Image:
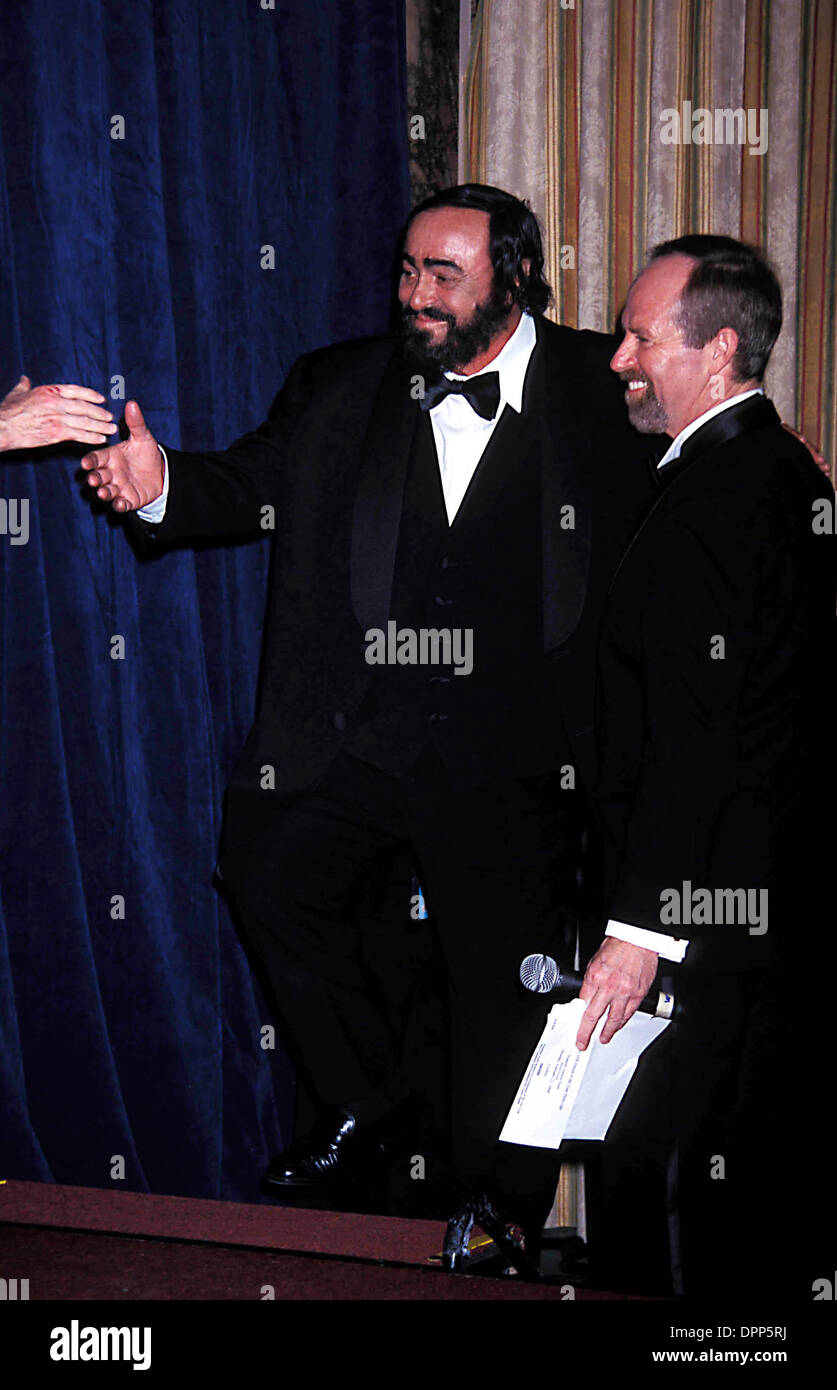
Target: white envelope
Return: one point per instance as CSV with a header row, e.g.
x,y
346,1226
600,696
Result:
x,y
567,1094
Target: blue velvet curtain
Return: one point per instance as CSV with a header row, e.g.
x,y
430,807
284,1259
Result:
x,y
243,210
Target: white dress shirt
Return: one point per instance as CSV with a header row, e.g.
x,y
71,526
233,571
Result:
x,y
460,433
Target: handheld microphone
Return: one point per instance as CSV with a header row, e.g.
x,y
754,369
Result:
x,y
542,975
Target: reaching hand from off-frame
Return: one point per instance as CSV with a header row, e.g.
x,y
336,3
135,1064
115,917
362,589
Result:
x,y
31,417
129,475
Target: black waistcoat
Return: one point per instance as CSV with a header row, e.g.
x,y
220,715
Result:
x,y
481,581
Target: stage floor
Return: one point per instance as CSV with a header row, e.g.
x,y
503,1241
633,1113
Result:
x,y
89,1243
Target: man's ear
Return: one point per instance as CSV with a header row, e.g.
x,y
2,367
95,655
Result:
x,y
526,267
724,348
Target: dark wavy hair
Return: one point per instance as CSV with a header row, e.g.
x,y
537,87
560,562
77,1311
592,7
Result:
x,y
732,286
513,237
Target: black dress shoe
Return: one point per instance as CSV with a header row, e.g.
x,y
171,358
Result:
x,y
338,1152
518,1249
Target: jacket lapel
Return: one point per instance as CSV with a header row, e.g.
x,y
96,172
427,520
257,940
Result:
x,y
380,495
566,485
754,413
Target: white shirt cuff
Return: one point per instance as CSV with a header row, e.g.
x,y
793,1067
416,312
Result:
x,y
669,947
156,510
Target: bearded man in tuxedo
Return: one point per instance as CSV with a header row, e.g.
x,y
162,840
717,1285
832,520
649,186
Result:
x,y
450,504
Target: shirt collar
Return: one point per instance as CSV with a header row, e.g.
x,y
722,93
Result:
x,y
511,362
673,451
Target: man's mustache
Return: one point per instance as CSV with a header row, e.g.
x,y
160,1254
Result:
x,y
430,313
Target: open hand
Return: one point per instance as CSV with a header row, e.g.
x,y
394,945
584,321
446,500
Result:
x,y
129,475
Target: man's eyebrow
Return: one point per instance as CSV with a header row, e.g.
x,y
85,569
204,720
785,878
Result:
x,y
434,261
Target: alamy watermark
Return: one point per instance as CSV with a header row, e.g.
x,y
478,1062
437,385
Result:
x,y
726,125
688,906
81,1343
12,1290
424,646
14,519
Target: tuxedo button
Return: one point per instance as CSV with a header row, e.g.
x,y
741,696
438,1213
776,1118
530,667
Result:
x,y
339,722
437,718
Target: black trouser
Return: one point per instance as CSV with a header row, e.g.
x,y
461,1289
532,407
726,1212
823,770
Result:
x,y
753,1170
497,864
727,1123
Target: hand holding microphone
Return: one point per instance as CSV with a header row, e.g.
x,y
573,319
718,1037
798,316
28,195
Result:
x,y
542,975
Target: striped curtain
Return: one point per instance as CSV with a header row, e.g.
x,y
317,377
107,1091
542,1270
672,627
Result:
x,y
593,111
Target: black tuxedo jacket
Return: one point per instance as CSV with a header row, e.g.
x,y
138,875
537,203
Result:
x,y
715,679
324,476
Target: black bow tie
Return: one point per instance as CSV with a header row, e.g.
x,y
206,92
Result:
x,y
481,392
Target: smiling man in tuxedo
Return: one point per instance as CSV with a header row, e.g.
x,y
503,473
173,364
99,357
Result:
x,y
472,475
716,660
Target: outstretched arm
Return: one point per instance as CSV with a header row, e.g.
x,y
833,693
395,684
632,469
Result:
x,y
33,416
237,491
218,493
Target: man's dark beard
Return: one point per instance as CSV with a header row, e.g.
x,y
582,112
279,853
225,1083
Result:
x,y
462,342
648,416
